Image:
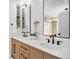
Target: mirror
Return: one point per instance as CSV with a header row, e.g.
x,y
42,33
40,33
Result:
x,y
56,18
23,20
26,18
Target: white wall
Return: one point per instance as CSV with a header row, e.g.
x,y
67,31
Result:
x,y
12,19
37,14
12,16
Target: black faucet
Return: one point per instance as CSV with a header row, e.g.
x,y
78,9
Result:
x,y
24,34
52,36
48,40
58,42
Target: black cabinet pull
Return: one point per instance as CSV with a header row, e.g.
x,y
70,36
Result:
x,y
23,48
23,56
58,42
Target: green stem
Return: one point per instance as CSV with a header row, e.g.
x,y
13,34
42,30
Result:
x,y
35,29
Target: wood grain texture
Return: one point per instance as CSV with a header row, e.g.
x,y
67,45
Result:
x,y
35,53
48,56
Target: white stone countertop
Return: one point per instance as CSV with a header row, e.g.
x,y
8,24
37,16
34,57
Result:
x,y
62,51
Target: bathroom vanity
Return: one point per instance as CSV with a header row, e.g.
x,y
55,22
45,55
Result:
x,y
30,48
53,19
21,50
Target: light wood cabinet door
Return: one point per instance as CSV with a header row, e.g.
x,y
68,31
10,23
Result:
x,y
24,47
24,51
20,50
35,54
48,56
23,55
15,49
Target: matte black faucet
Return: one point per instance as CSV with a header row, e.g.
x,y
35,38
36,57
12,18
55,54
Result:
x,y
52,36
24,34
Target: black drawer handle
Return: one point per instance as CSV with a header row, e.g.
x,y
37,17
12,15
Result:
x,y
23,56
23,48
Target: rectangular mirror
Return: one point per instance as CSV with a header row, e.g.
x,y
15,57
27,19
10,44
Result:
x,y
56,18
23,20
26,20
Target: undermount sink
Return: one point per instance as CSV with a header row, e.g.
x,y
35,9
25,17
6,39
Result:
x,y
50,46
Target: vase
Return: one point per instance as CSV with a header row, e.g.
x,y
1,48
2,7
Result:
x,y
35,32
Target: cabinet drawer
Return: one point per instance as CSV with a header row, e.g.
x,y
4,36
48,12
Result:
x,y
23,55
15,48
24,48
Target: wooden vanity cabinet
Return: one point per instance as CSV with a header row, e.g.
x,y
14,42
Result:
x,y
20,50
24,51
48,56
15,49
23,55
35,53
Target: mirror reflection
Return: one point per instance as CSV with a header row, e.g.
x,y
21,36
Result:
x,y
56,18
23,19
26,18
18,17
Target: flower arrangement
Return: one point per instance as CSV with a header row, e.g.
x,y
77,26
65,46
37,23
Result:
x,y
36,24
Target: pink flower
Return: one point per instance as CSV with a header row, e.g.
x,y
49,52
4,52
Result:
x,y
36,23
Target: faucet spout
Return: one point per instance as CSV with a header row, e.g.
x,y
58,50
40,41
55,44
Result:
x,y
52,36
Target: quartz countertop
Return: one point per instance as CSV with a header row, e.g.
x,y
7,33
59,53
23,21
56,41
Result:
x,y
62,51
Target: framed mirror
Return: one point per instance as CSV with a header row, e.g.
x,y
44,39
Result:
x,y
26,18
23,20
56,18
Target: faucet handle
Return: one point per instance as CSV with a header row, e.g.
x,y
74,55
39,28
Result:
x,y
58,42
48,40
50,36
23,32
53,35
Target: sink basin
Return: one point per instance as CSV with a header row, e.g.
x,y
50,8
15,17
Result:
x,y
51,46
